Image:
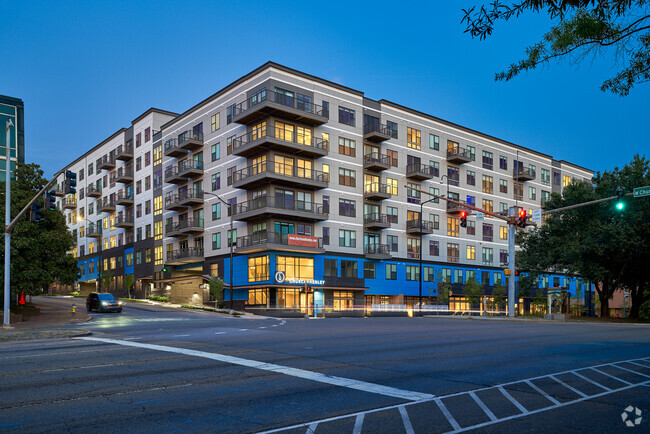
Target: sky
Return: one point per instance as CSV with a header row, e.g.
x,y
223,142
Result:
x,y
85,69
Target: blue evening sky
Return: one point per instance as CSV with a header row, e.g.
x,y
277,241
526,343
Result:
x,y
87,68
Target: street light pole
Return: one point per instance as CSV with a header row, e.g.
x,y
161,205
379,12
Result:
x,y
421,251
230,241
7,286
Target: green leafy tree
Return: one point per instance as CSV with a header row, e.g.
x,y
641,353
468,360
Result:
x,y
474,291
216,288
129,280
440,290
39,251
107,279
498,296
580,28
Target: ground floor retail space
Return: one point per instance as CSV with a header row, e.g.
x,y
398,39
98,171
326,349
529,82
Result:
x,y
305,299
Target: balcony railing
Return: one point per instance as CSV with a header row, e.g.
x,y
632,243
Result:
x,y
417,224
377,249
377,158
93,191
376,219
268,96
69,202
285,170
458,155
377,190
189,165
186,225
304,142
124,152
418,170
269,237
124,196
124,220
191,252
190,139
105,204
105,162
125,173
376,132
94,231
523,174
317,209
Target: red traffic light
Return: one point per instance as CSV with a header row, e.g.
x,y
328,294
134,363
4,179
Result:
x,y
522,213
463,214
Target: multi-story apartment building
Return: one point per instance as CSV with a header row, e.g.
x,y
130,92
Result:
x,y
14,109
325,187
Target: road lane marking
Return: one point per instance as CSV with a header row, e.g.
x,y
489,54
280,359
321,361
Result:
x,y
513,400
591,381
358,423
219,333
483,406
312,428
405,418
447,414
610,376
180,336
262,327
552,377
541,392
243,330
363,386
634,372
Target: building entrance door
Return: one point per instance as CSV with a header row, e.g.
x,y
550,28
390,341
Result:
x,y
307,303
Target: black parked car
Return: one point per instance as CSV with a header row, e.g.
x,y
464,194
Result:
x,y
103,303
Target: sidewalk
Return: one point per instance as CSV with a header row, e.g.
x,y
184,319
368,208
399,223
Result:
x,y
48,325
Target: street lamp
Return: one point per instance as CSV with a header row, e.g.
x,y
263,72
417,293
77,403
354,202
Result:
x,y
447,190
230,240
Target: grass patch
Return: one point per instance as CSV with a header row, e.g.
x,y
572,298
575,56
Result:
x,y
160,298
133,299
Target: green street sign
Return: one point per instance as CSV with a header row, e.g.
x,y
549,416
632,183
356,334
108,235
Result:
x,y
642,191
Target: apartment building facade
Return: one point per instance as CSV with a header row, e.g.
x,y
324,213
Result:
x,y
325,188
12,109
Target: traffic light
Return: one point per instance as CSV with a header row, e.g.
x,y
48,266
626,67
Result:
x,y
463,219
50,200
521,221
620,204
36,212
70,182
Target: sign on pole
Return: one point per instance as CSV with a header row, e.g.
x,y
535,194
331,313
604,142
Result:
x,y
642,191
537,215
480,216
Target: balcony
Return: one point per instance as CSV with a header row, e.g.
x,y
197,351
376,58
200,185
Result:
x,y
417,227
376,221
377,251
376,133
94,231
420,172
187,226
125,174
124,152
267,206
267,240
180,173
191,197
93,191
458,155
106,162
376,191
279,173
267,102
173,203
454,208
263,139
190,140
59,190
124,221
173,150
376,162
124,197
523,174
185,256
69,202
105,205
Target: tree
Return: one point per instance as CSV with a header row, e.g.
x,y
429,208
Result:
x,y
597,242
474,291
498,296
216,288
129,280
580,28
440,289
39,251
107,279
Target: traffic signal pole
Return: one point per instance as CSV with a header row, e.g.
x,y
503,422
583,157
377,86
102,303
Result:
x,y
512,229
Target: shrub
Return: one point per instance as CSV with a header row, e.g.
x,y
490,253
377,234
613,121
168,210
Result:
x,y
160,298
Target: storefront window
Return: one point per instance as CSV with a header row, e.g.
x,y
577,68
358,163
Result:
x,y
258,268
257,297
343,300
296,267
288,297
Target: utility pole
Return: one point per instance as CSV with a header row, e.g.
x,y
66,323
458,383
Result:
x,y
512,229
7,287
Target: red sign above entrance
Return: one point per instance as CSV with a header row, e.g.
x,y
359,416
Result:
x,y
303,241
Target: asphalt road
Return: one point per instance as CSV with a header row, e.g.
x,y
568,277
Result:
x,y
155,369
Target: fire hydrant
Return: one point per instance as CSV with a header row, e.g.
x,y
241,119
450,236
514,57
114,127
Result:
x,y
74,307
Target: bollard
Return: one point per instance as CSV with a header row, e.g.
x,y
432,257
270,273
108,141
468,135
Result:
x,y
74,307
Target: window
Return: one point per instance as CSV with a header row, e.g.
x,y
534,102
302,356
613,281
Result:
x,y
391,213
392,157
546,177
566,180
369,270
331,268
231,170
90,169
458,276
487,205
488,256
434,168
157,155
453,252
435,221
347,208
452,226
216,241
138,140
545,196
471,253
428,274
258,268
347,147
471,177
391,271
347,238
216,181
229,112
296,267
157,205
503,162
487,184
503,232
229,141
392,241
346,116
518,188
503,185
215,151
412,272
413,247
349,268
326,236
392,128
434,142
347,177
138,163
413,193
532,193
413,138
215,122
147,255
147,159
434,248
556,178
488,232
487,160
232,237
503,256
391,186
216,211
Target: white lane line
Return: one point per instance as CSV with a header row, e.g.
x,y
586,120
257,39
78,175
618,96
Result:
x,y
591,381
243,330
311,429
83,367
579,393
405,418
447,414
358,423
363,386
611,376
219,333
639,364
513,400
180,336
552,407
262,327
483,406
274,325
541,392
131,339
629,370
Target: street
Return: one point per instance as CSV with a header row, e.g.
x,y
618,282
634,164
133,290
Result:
x,y
151,368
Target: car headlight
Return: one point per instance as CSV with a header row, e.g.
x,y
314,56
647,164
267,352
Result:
x,y
103,303
120,303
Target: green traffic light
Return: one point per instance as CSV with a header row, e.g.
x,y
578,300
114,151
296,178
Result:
x,y
620,206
